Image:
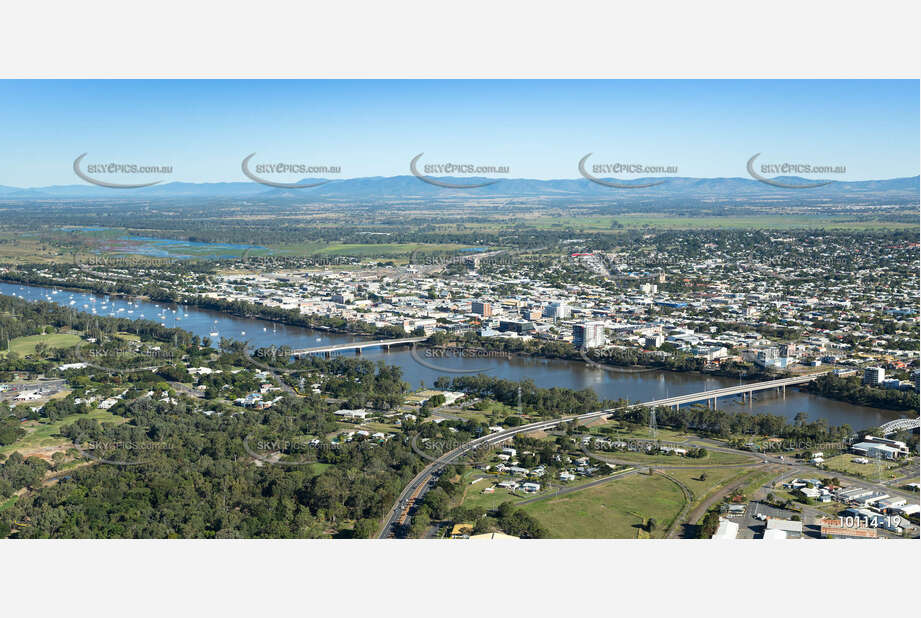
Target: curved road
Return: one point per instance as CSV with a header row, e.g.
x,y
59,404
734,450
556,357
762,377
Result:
x,y
418,485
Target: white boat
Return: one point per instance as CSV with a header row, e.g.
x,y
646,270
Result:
x,y
213,334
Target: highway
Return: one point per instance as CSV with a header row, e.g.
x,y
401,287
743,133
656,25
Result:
x,y
416,488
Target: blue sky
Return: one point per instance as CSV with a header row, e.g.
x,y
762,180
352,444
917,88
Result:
x,y
539,129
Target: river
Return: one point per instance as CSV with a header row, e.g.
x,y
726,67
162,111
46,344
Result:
x,y
546,373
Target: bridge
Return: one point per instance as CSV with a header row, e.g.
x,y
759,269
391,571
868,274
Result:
x,y
417,487
745,390
900,425
358,346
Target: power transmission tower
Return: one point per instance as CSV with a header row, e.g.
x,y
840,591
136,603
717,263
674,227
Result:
x,y
519,400
653,427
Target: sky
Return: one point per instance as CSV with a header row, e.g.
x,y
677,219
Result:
x,y
539,129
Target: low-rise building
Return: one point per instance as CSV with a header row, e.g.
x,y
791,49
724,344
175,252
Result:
x,y
727,530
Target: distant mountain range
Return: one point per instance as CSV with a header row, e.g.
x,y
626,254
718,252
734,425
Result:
x,y
410,187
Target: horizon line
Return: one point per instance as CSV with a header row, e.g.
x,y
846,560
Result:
x,y
332,180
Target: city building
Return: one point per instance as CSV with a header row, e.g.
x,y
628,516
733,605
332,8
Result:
x,y
873,449
558,310
874,376
481,308
896,444
783,529
531,313
520,327
588,335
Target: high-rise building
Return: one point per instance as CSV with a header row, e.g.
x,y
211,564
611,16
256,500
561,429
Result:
x,y
874,376
588,335
481,308
557,310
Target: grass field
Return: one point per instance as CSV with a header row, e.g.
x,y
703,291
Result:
x,y
19,248
842,463
43,435
762,477
624,431
614,510
26,345
467,415
476,498
375,426
791,221
716,479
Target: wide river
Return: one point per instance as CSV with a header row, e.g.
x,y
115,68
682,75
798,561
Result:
x,y
642,386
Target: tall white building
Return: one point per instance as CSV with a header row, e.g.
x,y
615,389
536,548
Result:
x,y
874,376
588,335
558,310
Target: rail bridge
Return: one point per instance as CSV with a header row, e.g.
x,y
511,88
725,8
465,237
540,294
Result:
x,y
900,425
